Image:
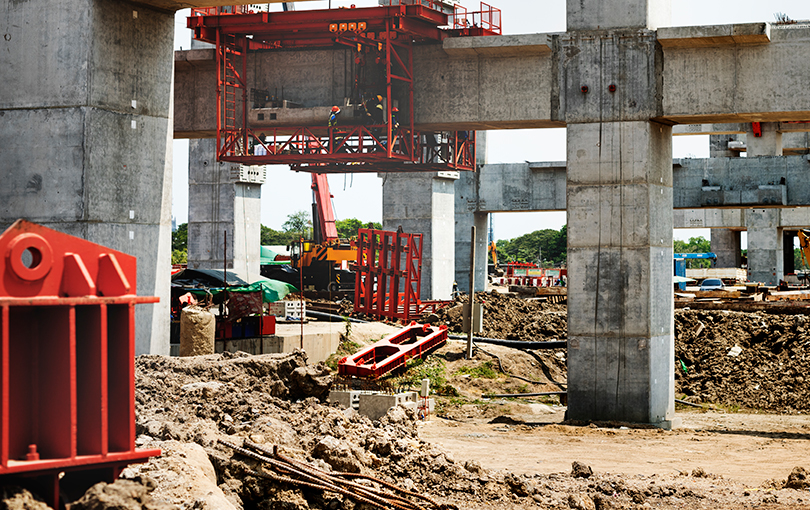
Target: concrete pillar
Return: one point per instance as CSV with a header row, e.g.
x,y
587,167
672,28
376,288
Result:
x,y
466,205
423,203
86,131
765,262
718,146
769,144
725,243
619,189
217,203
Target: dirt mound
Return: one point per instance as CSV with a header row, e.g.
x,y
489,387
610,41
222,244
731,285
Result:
x,y
509,317
749,360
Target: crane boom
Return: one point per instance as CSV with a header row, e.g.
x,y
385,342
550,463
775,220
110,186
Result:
x,y
323,214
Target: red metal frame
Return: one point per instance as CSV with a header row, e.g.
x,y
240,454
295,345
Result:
x,y
67,350
393,351
386,31
486,21
388,275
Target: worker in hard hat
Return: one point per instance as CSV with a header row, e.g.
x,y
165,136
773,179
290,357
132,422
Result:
x,y
395,118
333,117
333,122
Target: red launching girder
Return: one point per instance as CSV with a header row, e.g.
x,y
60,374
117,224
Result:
x,y
324,214
384,35
67,350
389,270
393,351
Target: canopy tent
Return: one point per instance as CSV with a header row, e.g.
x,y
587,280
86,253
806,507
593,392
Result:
x,y
203,281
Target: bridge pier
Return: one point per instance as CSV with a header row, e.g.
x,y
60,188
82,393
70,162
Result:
x,y
726,244
219,203
86,110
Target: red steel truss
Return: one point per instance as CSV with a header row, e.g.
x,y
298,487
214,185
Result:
x,y
393,351
388,33
67,350
388,275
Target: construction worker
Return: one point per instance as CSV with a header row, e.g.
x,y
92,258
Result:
x,y
333,117
395,118
333,122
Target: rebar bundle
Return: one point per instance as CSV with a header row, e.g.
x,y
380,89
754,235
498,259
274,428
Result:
x,y
379,494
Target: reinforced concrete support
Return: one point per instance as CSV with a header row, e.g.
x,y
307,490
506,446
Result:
x,y
424,202
218,203
765,263
467,214
725,243
620,319
86,111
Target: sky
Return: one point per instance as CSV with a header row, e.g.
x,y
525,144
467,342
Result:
x,y
360,195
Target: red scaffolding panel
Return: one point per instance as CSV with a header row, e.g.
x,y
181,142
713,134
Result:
x,y
388,275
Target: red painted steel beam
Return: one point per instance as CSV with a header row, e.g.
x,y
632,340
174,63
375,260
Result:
x,y
393,351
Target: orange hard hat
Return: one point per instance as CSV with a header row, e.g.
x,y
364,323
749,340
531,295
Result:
x,y
395,109
335,109
379,98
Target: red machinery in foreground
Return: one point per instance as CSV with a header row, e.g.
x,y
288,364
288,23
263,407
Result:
x,y
389,272
256,128
393,351
67,350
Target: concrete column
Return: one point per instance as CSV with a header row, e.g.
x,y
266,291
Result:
x,y
765,262
769,144
219,203
725,243
423,202
619,189
86,131
466,207
620,319
718,146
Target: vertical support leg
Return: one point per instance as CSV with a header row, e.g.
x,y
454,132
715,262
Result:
x,y
620,312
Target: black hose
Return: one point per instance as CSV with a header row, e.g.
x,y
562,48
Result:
x,y
324,315
515,344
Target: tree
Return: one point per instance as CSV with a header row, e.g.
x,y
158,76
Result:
x,y
695,245
550,245
348,228
277,237
180,244
180,237
298,223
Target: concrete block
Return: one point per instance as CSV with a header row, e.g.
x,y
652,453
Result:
x,y
628,60
503,46
714,35
600,14
375,406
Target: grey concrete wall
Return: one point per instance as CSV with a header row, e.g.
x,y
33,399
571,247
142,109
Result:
x,y
765,264
713,74
726,244
219,204
711,82
86,109
424,203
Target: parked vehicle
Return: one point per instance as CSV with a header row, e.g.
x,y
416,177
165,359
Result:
x,y
712,284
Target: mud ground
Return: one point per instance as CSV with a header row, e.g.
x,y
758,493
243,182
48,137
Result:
x,y
745,448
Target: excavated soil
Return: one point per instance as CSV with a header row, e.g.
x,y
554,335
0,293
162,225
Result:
x,y
187,406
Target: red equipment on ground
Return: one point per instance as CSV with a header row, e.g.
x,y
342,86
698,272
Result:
x,y
389,272
381,39
393,351
67,351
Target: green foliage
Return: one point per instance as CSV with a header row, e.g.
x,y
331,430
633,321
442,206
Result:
x,y
180,238
271,237
348,228
180,256
695,245
798,262
551,245
433,368
345,348
298,223
482,371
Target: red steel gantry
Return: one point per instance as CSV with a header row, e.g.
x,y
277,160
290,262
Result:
x,y
384,36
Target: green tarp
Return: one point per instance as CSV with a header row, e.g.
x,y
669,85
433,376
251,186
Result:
x,y
268,258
